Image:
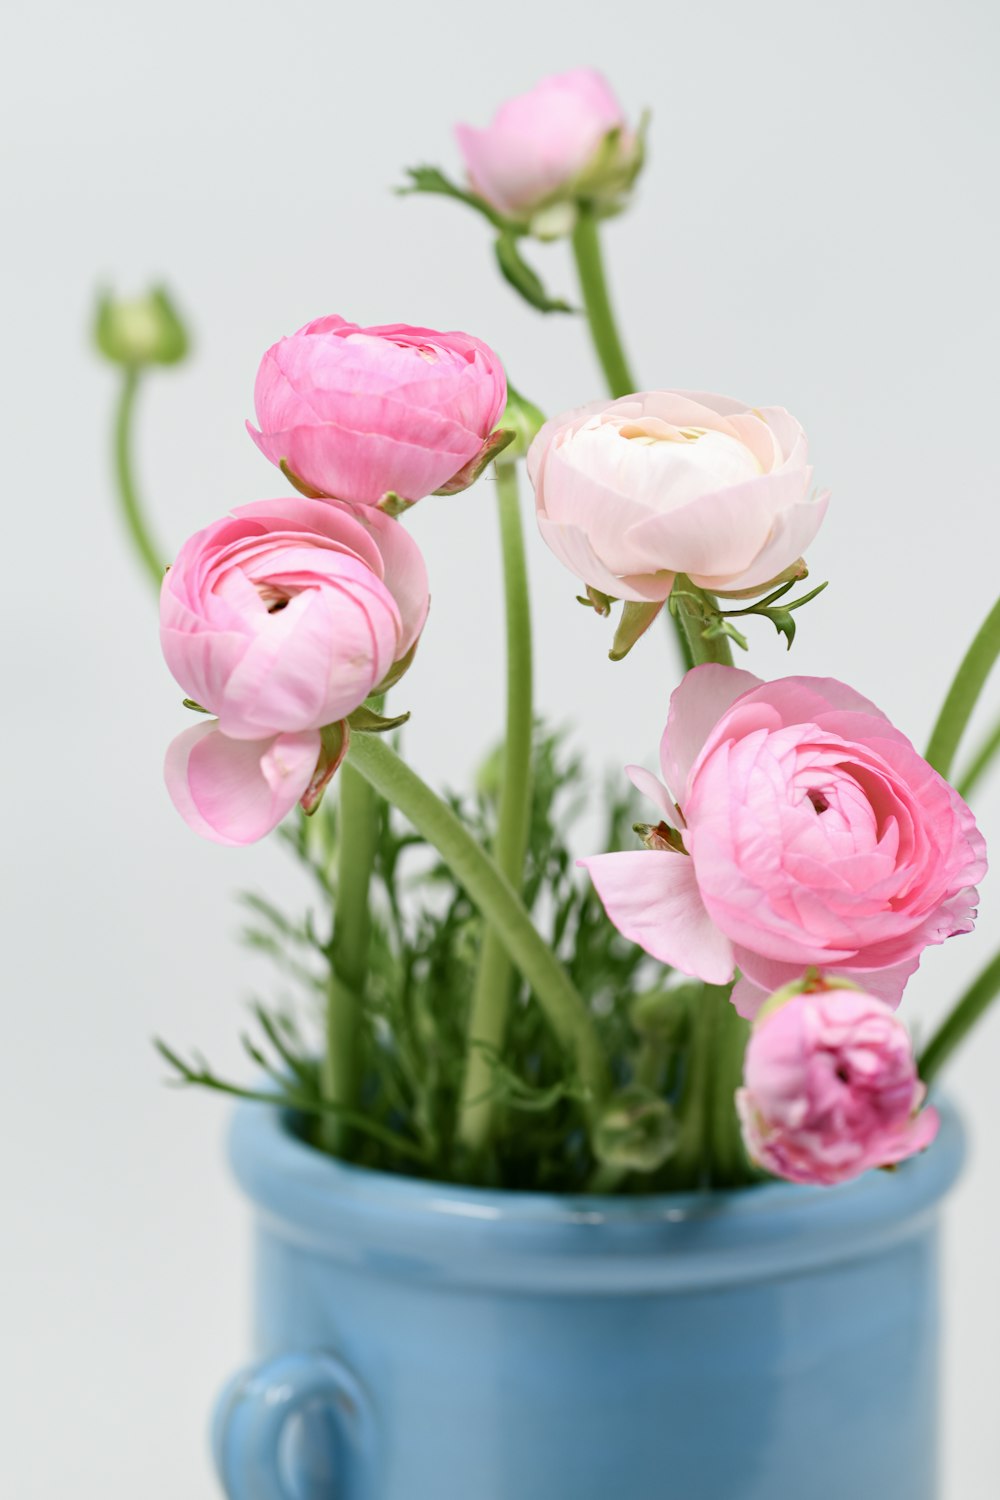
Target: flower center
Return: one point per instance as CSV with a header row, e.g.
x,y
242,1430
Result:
x,y
819,802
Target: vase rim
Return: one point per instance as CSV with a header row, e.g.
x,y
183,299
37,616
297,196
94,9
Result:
x,y
629,1242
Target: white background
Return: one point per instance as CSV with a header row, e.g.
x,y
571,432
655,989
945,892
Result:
x,y
817,228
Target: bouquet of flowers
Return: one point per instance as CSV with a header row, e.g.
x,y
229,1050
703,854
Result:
x,y
713,994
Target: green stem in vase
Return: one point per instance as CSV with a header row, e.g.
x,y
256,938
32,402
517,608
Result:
x,y
349,951
964,693
597,302
492,992
152,558
957,1025
499,903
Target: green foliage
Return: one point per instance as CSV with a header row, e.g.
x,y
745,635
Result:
x,y
426,938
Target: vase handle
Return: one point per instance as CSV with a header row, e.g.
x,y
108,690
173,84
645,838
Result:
x,y
253,1412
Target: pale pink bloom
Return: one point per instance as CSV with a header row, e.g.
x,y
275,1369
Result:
x,y
539,143
280,619
831,1089
358,413
813,834
631,492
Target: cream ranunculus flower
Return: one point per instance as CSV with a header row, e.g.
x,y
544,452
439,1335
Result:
x,y
630,493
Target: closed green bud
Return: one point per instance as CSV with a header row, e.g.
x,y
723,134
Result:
x,y
637,1130
138,331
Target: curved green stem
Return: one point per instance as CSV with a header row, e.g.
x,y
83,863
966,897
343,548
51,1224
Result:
x,y
153,559
597,301
349,951
964,692
492,992
980,763
956,1026
493,894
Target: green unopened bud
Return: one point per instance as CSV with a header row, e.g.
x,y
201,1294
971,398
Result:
x,y
140,331
637,1130
523,418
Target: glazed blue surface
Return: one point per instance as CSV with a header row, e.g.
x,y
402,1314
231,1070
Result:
x,y
423,1342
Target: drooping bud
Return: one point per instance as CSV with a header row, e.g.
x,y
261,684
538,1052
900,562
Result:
x,y
140,331
637,1130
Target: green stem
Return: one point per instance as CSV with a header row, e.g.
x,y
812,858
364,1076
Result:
x,y
980,763
493,894
492,992
964,692
729,1165
716,648
349,950
153,559
956,1026
597,302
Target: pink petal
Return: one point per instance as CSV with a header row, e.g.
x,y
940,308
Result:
x,y
652,898
236,791
574,551
652,787
696,706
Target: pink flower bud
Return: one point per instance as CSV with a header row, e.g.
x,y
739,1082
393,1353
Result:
x,y
539,145
831,1088
631,492
358,413
280,619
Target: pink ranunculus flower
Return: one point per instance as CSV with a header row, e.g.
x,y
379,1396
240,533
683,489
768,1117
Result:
x,y
357,413
800,829
568,135
831,1088
629,493
281,619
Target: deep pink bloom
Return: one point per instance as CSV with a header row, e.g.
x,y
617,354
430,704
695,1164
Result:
x,y
631,492
815,835
280,619
357,413
539,143
831,1088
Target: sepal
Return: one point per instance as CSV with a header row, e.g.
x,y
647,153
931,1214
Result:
x,y
303,486
433,180
634,621
397,670
494,445
365,720
394,505
522,277
335,740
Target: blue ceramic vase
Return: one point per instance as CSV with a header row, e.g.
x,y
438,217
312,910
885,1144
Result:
x,y
424,1342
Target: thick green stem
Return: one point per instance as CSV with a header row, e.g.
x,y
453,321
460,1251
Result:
x,y
597,302
154,560
979,764
492,991
349,950
964,693
715,648
956,1026
496,899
